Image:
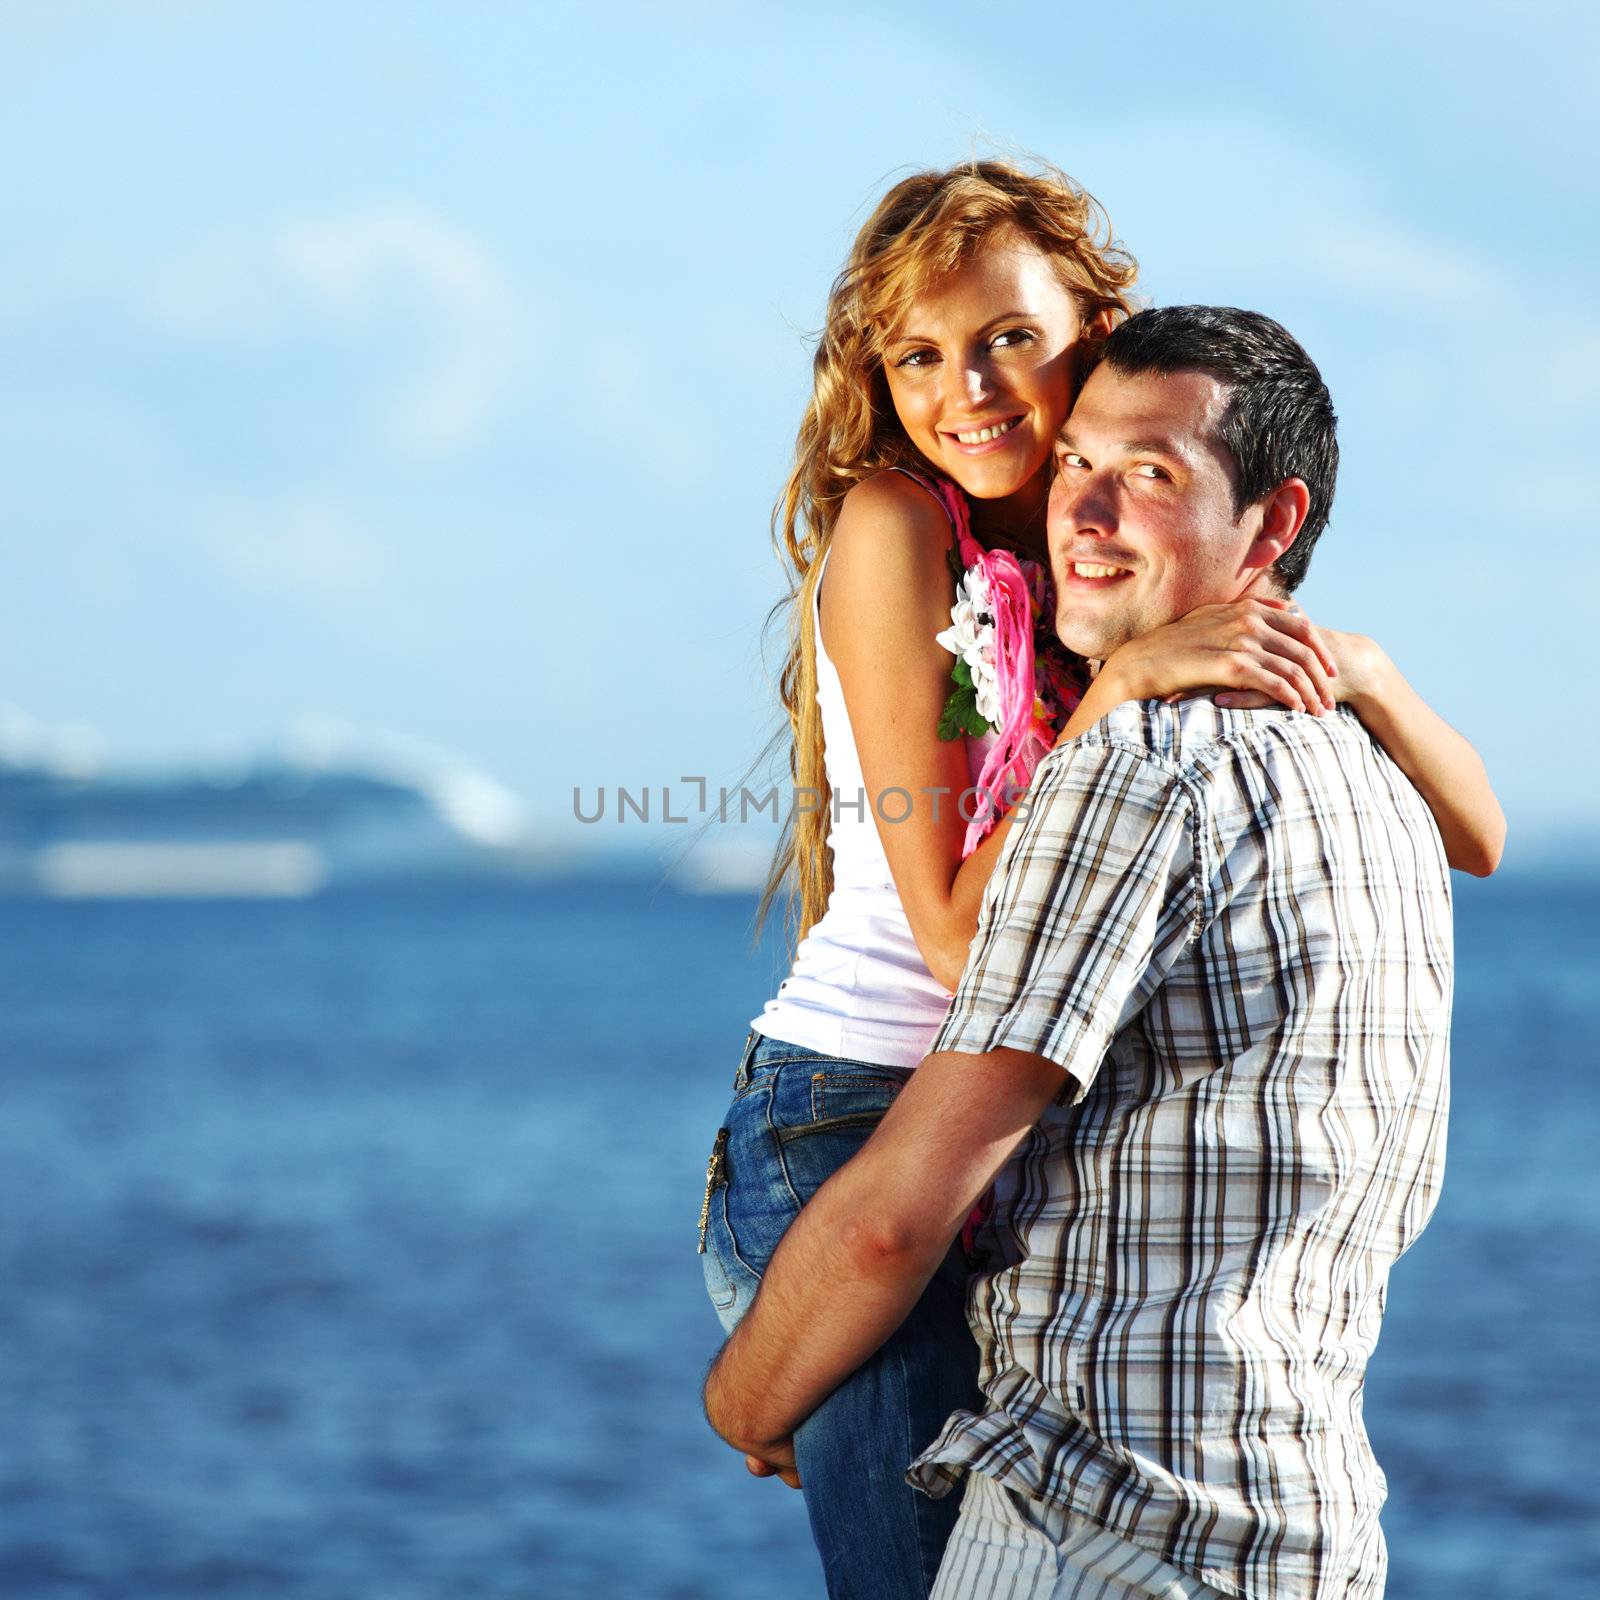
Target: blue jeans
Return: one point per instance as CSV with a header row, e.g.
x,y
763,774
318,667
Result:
x,y
796,1118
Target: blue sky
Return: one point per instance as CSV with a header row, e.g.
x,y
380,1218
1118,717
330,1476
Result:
x,y
428,371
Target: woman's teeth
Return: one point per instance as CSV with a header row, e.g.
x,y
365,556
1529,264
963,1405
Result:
x,y
984,435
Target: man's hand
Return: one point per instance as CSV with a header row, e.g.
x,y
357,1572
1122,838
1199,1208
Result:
x,y
866,1244
765,1455
777,1463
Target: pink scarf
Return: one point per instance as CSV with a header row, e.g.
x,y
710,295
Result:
x,y
1025,733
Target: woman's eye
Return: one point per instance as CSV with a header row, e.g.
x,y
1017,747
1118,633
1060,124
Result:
x,y
917,358
1011,336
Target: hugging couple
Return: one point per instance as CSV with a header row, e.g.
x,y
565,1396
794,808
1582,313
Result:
x,y
1081,1305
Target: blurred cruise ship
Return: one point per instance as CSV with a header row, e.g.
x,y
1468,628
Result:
x,y
316,821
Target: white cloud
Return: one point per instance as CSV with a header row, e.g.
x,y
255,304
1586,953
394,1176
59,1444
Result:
x,y
478,319
630,398
1519,605
70,749
309,543
1564,361
1381,260
401,268
225,289
1502,338
615,373
1235,204
1557,494
96,490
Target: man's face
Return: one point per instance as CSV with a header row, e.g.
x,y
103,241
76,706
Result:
x,y
1141,523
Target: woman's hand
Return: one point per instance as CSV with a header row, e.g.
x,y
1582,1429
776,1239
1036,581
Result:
x,y
1360,678
1266,651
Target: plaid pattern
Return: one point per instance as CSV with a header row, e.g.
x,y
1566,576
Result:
x,y
1005,1548
1233,930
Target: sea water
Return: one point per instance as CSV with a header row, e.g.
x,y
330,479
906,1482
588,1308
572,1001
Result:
x,y
348,1253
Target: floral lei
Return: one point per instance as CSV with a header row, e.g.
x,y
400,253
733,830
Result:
x,y
1012,677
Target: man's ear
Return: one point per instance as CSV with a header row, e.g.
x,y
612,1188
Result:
x,y
1283,515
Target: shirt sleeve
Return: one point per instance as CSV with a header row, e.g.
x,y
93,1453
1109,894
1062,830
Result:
x,y
1094,900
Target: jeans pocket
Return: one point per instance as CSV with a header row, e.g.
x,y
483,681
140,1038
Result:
x,y
713,1217
721,1288
731,1281
850,1094
845,1105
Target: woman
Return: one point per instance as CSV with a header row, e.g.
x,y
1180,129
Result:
x,y
947,365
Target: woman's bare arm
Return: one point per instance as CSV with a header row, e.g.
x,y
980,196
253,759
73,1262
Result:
x,y
885,595
1441,763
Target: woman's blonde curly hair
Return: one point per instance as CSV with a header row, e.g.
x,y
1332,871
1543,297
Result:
x,y
924,228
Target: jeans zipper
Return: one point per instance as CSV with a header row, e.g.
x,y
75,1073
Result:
x,y
713,1172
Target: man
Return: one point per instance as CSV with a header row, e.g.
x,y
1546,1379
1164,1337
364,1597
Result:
x,y
1203,1031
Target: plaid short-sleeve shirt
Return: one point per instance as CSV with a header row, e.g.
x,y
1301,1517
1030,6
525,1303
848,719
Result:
x,y
1232,929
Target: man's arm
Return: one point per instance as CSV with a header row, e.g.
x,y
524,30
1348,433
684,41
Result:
x,y
1098,898
858,1256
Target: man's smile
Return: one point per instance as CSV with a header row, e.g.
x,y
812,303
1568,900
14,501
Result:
x,y
1094,571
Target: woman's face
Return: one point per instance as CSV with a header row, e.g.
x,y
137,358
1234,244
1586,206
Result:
x,y
981,371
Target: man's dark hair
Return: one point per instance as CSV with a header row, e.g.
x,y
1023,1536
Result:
x,y
1279,422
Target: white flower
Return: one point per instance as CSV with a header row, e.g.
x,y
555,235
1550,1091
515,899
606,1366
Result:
x,y
981,656
986,690
971,636
965,636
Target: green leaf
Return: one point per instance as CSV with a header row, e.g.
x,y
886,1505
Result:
x,y
962,673
960,714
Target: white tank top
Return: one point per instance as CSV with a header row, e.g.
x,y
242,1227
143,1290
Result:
x,y
859,987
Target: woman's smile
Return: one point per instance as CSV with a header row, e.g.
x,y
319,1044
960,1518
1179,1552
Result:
x,y
978,437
